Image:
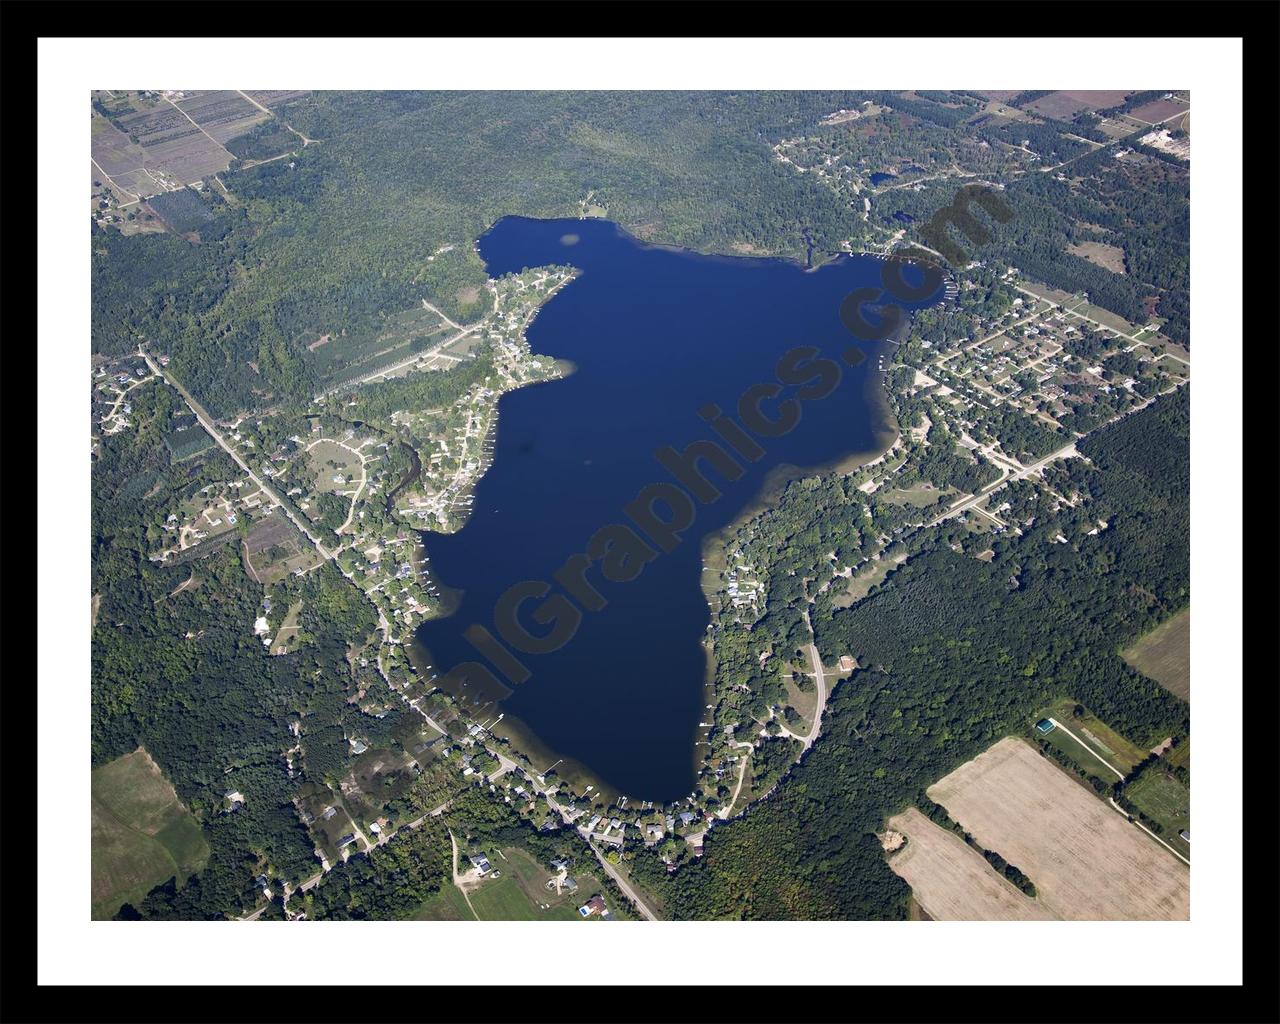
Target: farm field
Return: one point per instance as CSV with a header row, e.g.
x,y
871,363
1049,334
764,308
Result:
x,y
1164,654
222,114
1157,111
1164,799
1066,103
1087,862
950,880
141,834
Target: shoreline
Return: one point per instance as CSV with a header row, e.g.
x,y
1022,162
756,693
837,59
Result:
x,y
522,741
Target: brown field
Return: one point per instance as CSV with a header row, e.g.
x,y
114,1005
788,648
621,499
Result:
x,y
1066,103
1087,862
951,881
1157,111
1164,654
1001,95
276,548
1109,257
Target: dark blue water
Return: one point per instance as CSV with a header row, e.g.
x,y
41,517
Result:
x,y
656,334
880,177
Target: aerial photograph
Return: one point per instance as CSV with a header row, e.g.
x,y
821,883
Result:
x,y
638,505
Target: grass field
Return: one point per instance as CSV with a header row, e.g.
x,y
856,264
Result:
x,y
518,894
950,880
920,495
1087,862
1163,798
447,905
329,459
1164,654
141,834
860,585
1121,752
1078,753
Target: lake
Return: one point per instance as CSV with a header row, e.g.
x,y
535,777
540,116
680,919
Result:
x,y
656,335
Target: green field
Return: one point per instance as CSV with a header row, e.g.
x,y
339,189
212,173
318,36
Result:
x,y
1078,753
1164,654
329,459
1163,798
447,905
141,835
1122,753
519,894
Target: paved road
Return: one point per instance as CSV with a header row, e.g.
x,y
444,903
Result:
x,y
206,421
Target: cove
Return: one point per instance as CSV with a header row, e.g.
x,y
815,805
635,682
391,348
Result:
x,y
656,335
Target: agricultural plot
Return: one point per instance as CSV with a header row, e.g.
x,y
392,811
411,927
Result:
x,y
276,548
1157,111
222,114
271,99
1164,654
1065,104
950,880
141,835
112,149
172,143
1086,860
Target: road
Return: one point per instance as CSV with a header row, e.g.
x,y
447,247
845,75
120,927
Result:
x,y
726,810
1110,800
622,882
1065,452
206,421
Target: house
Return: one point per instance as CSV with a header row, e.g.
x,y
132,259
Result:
x,y
1185,835
595,905
481,863
687,817
329,812
1045,725
346,840
568,885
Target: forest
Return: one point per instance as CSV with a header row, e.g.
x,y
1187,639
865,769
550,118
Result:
x,y
338,236
957,653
